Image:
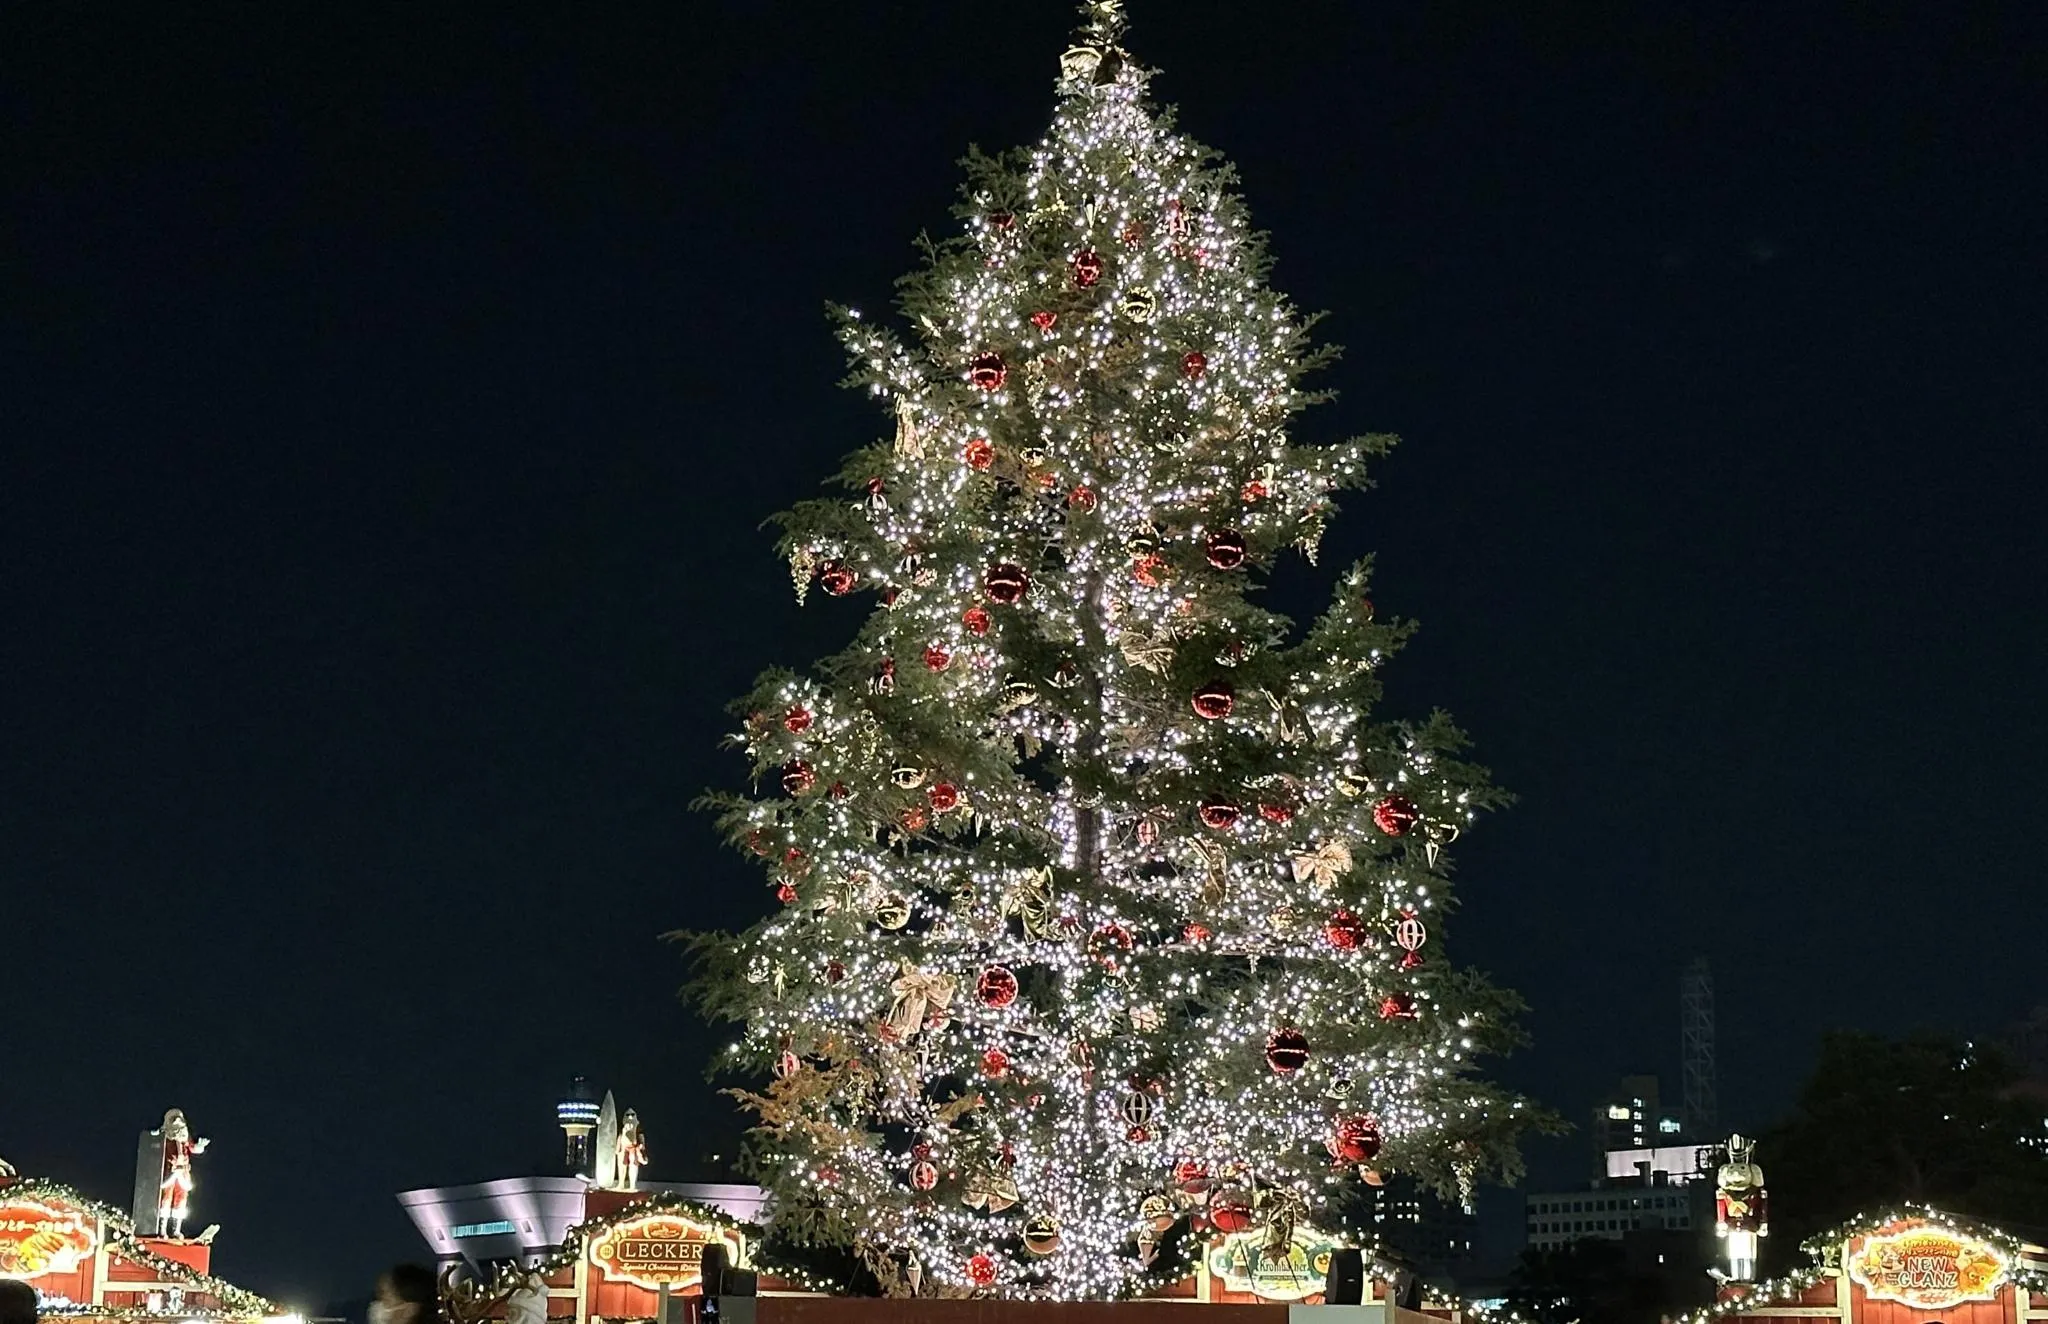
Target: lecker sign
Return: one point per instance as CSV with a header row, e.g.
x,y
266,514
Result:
x,y
1926,1268
36,1239
661,1249
1295,1273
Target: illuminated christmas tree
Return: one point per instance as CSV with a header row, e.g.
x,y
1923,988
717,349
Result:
x,y
1109,913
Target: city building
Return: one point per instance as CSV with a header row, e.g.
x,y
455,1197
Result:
x,y
1612,1211
1417,1229
1633,1116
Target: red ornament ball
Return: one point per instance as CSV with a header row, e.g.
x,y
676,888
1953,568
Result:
x,y
1225,549
1139,1135
1230,1212
1395,814
987,371
1276,811
995,1064
936,657
976,619
1081,498
1134,233
1218,813
1194,933
924,1174
757,842
1286,1051
835,972
787,1065
979,454
981,1270
1344,931
835,578
794,861
797,720
1253,491
997,986
798,777
1149,571
1002,220
1214,700
1087,267
914,819
944,797
1006,584
1398,1007
1193,364
785,894
1355,1140
1109,940
1043,320
1190,1176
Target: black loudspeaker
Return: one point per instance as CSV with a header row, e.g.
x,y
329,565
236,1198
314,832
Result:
x,y
1407,1291
714,1270
1346,1284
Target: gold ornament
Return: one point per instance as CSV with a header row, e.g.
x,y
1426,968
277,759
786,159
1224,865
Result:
x,y
1436,837
892,911
1156,1213
1323,865
1147,1018
1041,1234
1030,900
993,1191
909,442
908,778
1153,653
803,563
924,999
1140,305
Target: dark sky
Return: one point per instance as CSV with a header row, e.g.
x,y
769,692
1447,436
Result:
x,y
390,396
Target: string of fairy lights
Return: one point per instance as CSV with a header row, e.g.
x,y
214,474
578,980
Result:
x,y
1108,913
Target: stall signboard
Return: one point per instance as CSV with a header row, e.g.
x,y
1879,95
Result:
x,y
1244,1262
38,1239
1927,1268
661,1250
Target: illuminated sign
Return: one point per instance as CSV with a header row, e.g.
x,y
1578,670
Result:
x,y
1293,1273
36,1239
662,1249
461,1230
1925,1267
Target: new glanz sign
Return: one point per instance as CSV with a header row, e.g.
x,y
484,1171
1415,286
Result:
x,y
661,1250
1925,1267
38,1239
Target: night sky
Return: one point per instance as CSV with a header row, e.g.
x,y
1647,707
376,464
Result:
x,y
391,396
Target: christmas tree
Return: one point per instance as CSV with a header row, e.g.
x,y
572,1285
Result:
x,y
1109,914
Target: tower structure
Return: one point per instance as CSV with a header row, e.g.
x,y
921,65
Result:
x,y
1696,1048
577,1114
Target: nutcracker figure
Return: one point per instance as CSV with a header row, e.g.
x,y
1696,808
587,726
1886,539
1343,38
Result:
x,y
632,1151
1741,1209
174,1192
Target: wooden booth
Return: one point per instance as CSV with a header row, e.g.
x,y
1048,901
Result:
x,y
87,1261
1922,1269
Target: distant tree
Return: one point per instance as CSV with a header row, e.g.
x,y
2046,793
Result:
x,y
1926,1120
1597,1281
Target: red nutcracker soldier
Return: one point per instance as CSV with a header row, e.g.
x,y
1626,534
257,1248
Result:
x,y
174,1194
1741,1209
